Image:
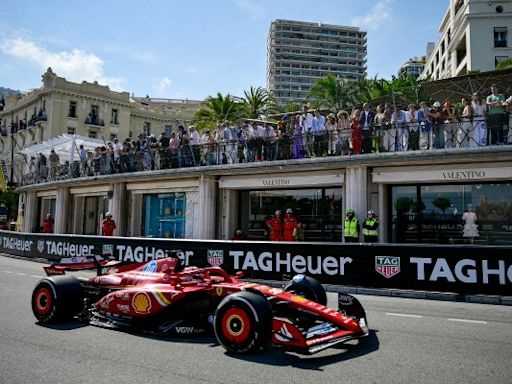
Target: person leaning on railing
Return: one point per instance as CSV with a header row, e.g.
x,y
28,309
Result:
x,y
508,109
344,134
466,127
496,116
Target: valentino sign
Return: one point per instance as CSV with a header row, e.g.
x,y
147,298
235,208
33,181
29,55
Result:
x,y
464,175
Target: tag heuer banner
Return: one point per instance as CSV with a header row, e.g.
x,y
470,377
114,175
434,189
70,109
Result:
x,y
464,269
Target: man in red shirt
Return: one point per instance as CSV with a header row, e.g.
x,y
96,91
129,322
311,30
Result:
x,y
108,225
289,226
275,227
48,224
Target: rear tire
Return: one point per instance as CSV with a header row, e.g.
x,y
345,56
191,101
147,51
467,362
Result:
x,y
308,288
243,323
57,299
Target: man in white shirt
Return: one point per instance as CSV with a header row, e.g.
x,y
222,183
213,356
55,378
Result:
x,y
306,121
194,140
318,131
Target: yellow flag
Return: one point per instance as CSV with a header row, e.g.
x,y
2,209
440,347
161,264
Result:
x,y
3,168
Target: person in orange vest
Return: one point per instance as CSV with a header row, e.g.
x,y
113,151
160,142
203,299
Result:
x,y
275,227
108,225
290,224
48,224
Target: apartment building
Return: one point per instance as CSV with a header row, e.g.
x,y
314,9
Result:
x,y
300,52
473,37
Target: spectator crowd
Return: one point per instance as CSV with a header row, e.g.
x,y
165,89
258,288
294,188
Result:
x,y
477,122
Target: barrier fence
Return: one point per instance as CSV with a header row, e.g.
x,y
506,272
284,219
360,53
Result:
x,y
463,269
282,146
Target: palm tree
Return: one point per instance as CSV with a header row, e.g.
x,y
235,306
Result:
x,y
334,93
256,102
216,110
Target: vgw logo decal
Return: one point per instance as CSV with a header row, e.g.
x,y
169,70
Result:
x,y
387,266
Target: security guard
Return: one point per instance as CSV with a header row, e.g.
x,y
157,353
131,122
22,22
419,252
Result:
x,y
351,227
370,228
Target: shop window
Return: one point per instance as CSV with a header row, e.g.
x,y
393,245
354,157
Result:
x,y
435,213
164,215
71,131
318,210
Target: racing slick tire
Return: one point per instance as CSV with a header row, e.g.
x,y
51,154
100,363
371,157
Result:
x,y
243,323
308,288
57,299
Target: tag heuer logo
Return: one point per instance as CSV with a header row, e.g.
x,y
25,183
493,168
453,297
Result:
x,y
387,266
40,246
215,257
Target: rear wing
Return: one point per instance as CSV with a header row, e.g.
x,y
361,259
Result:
x,y
80,263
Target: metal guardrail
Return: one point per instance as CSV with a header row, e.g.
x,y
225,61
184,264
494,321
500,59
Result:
x,y
458,135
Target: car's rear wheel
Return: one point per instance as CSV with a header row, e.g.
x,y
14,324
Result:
x,y
308,288
243,323
57,299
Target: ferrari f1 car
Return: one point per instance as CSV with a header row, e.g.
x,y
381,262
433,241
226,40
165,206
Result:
x,y
162,297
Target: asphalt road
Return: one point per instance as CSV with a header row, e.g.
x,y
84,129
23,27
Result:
x,y
411,341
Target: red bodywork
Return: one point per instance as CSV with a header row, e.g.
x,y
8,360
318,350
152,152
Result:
x,y
146,289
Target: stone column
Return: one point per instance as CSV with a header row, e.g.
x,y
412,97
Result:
x,y
117,207
62,211
135,216
206,211
29,211
229,210
383,214
356,191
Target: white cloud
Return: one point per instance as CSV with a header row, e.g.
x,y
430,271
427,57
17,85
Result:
x,y
255,10
161,85
380,13
75,65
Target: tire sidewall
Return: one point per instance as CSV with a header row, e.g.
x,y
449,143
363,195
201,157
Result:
x,y
250,311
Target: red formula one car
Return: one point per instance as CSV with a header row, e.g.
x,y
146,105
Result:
x,y
162,297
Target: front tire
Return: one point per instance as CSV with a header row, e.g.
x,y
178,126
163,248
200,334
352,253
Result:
x,y
57,299
243,323
308,288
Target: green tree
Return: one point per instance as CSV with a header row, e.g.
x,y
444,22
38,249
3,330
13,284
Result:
x,y
334,93
255,103
215,110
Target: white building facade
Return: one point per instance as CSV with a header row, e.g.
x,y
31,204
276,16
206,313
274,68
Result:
x,y
474,36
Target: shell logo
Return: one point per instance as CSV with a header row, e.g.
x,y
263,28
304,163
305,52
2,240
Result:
x,y
141,302
298,299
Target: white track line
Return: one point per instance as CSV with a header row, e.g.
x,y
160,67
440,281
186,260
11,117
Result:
x,y
404,315
468,321
7,272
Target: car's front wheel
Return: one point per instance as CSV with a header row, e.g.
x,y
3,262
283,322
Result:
x,y
243,323
57,299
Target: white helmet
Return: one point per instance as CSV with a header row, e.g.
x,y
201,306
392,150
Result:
x,y
108,214
289,210
278,212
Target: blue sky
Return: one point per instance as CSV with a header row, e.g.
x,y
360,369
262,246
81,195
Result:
x,y
190,49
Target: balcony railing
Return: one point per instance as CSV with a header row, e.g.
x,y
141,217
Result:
x,y
457,136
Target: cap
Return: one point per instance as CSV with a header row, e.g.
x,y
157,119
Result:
x,y
350,210
437,104
289,210
48,215
278,212
108,214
